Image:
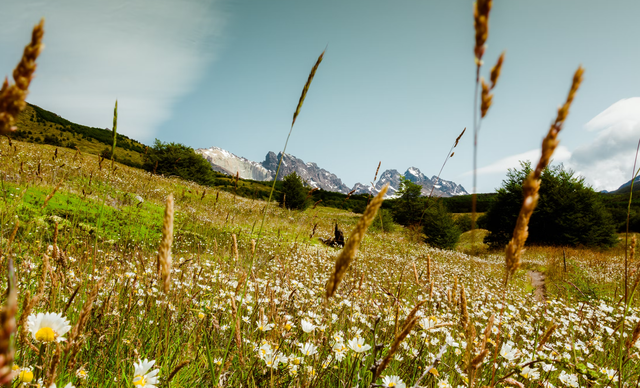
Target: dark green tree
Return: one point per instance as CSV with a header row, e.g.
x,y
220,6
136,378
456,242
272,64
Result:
x,y
178,159
294,195
568,213
440,227
408,208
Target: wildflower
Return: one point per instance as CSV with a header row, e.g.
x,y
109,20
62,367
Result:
x,y
82,373
144,378
393,381
443,384
530,373
340,350
288,326
264,326
217,361
507,351
272,360
25,375
201,315
611,374
48,327
308,349
568,379
357,345
307,327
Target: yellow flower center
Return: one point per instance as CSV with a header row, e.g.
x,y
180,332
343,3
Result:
x,y
45,334
139,380
392,384
25,376
287,327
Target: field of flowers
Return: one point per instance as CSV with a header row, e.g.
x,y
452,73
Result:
x,y
249,309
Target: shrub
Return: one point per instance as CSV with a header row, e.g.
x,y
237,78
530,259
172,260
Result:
x,y
408,208
178,159
440,227
294,195
568,213
384,221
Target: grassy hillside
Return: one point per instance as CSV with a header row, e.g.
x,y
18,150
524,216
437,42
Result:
x,y
246,305
40,126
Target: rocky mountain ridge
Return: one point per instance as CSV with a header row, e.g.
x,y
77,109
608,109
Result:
x,y
228,163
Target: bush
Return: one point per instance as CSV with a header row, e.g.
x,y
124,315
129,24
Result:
x,y
463,222
568,213
178,159
408,208
383,221
294,195
440,227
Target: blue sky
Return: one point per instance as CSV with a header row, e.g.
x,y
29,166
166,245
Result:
x,y
396,84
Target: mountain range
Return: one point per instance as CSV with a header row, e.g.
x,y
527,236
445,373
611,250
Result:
x,y
225,162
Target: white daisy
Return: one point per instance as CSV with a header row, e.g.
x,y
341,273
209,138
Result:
x,y
48,327
144,378
393,381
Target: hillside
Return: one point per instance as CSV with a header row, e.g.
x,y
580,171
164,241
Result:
x,y
37,125
239,291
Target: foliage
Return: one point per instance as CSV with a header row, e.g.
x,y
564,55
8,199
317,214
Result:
x,y
568,213
462,203
383,222
463,221
294,195
408,208
178,159
440,228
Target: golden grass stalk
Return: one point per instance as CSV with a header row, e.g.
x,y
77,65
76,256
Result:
x,y
115,133
496,69
12,97
547,334
353,243
464,313
407,326
177,369
7,328
306,87
481,10
531,185
84,314
164,250
485,98
235,246
52,194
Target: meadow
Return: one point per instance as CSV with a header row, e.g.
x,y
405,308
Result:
x,y
121,277
89,254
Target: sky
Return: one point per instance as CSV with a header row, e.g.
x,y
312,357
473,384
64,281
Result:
x,y
396,84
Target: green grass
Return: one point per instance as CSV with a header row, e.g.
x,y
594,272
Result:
x,y
105,233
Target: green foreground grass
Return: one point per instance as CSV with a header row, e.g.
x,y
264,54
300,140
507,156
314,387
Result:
x,y
254,313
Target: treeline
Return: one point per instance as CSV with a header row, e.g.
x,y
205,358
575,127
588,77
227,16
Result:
x,y
105,136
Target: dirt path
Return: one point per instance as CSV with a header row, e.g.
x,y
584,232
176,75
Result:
x,y
537,280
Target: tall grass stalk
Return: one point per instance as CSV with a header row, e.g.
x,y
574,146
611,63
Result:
x,y
275,179
115,133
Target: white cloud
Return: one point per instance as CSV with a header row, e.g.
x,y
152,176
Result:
x,y
607,161
145,53
562,154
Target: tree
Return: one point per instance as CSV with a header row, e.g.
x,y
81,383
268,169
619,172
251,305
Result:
x,y
294,194
429,214
568,213
178,159
408,208
440,227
